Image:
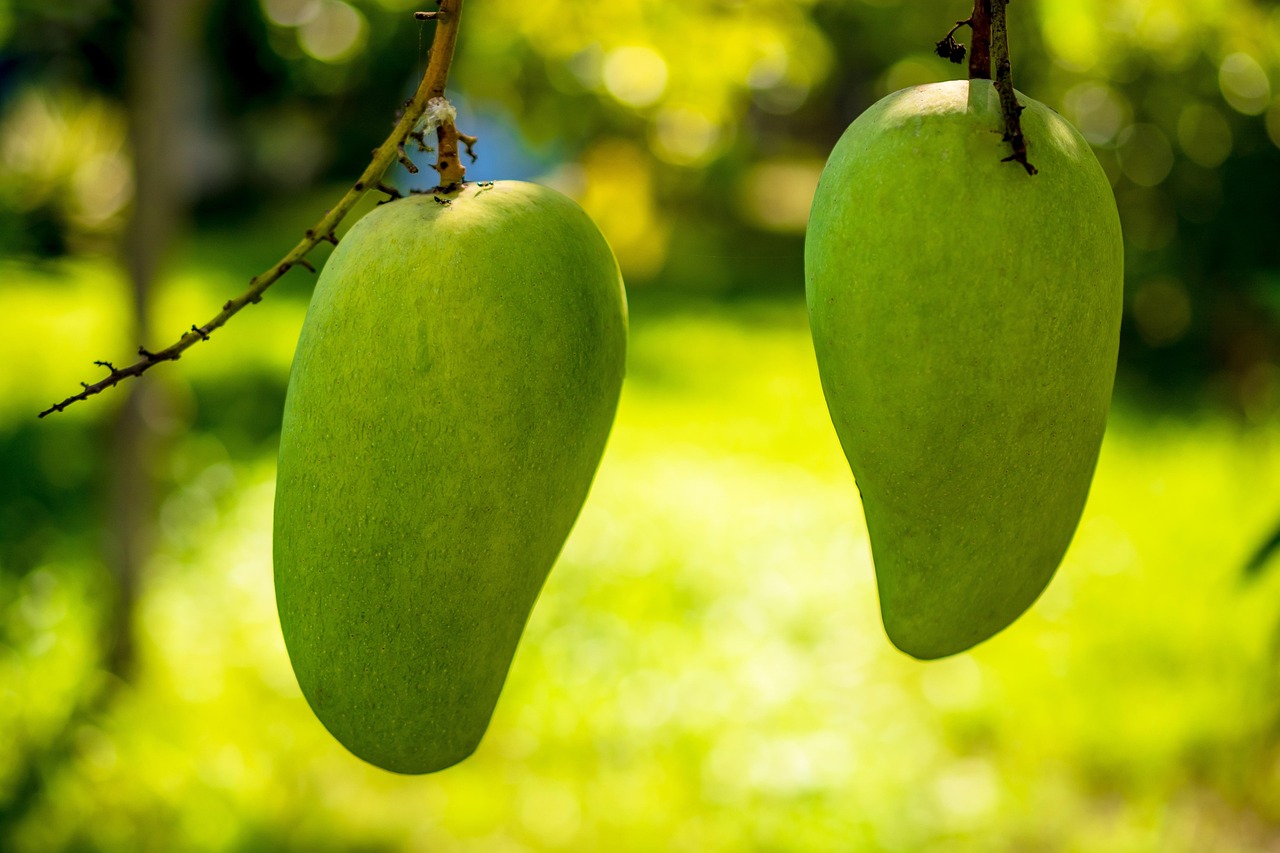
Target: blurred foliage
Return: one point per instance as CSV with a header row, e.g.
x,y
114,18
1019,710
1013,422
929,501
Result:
x,y
693,130
705,670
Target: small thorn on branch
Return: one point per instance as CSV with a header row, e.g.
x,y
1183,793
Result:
x,y
469,143
330,238
306,264
1019,156
204,336
390,191
409,165
147,354
108,365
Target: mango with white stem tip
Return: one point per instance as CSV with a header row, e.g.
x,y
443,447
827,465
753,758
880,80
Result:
x,y
455,381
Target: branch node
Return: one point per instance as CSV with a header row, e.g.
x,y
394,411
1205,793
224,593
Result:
x,y
204,336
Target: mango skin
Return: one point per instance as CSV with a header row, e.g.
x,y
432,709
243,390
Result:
x,y
454,384
965,318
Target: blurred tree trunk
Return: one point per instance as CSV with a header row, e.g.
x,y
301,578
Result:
x,y
161,54
161,57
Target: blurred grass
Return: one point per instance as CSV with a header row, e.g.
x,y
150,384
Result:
x,y
705,670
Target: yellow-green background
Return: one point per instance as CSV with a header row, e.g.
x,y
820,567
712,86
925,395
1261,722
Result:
x,y
705,670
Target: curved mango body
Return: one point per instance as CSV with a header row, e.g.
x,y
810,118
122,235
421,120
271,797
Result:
x,y
453,387
965,317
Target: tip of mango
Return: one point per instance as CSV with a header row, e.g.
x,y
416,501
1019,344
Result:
x,y
925,645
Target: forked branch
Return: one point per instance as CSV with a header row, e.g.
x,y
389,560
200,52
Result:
x,y
991,39
428,103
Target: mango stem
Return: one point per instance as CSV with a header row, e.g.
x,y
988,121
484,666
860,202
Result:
x,y
980,46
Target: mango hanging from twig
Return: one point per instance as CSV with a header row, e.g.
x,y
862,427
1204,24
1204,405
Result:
x,y
965,317
454,384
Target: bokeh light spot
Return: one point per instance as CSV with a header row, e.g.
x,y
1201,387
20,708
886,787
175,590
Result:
x,y
777,196
1145,154
291,13
1204,135
685,137
1244,84
335,34
1097,110
635,75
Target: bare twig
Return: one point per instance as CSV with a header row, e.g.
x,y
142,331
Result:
x,y
1004,85
451,174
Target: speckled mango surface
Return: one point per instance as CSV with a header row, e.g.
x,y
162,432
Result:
x,y
454,384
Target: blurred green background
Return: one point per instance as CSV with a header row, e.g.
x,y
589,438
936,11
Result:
x,y
705,670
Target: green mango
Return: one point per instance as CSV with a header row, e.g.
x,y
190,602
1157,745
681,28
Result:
x,y
965,318
454,384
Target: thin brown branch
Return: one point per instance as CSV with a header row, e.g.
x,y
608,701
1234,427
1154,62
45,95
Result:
x,y
432,86
1004,85
980,46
